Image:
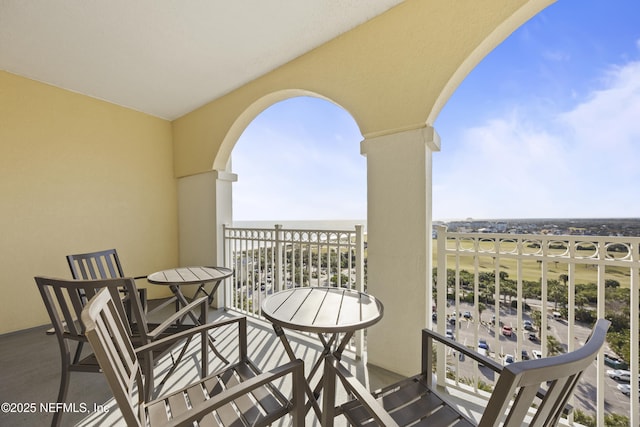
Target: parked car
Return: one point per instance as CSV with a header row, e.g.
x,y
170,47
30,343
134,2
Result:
x,y
452,319
449,334
482,343
528,325
467,315
533,337
619,374
614,362
525,355
626,388
507,331
536,354
509,358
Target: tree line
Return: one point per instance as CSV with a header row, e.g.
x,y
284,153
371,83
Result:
x,y
617,300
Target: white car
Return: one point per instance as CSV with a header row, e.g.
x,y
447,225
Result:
x,y
508,359
619,374
449,334
536,354
625,389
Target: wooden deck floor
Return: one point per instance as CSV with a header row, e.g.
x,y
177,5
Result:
x,y
30,370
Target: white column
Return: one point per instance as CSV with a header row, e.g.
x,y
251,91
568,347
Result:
x,y
204,205
399,251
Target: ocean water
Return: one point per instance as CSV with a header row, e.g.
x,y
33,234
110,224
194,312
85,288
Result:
x,y
339,224
591,226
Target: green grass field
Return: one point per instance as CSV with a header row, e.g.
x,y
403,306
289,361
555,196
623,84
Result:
x,y
531,269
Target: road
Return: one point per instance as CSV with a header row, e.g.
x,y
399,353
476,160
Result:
x,y
585,394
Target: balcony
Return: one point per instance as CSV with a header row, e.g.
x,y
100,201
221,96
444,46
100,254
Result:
x,y
484,281
171,179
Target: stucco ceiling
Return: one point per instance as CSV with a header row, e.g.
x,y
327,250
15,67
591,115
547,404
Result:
x,y
166,57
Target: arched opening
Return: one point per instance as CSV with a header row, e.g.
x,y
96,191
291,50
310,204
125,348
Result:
x,y
299,160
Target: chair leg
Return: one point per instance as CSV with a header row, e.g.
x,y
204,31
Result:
x,y
62,392
175,362
76,358
147,371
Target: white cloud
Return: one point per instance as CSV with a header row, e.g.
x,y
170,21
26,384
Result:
x,y
610,118
578,163
502,169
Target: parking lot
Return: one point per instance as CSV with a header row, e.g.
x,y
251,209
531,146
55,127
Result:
x,y
469,332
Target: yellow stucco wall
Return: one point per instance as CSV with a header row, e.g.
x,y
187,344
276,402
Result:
x,y
393,73
78,175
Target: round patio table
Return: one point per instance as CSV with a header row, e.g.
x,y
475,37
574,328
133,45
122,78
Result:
x,y
175,277
328,312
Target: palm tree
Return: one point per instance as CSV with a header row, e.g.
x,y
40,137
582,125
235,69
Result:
x,y
564,279
536,318
557,292
553,346
581,301
481,308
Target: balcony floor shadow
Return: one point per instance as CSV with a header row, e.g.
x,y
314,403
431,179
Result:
x,y
30,372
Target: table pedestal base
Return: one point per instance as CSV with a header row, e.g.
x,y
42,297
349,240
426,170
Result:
x,y
327,383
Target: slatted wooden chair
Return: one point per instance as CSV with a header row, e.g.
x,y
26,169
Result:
x,y
239,395
64,301
106,264
548,383
103,264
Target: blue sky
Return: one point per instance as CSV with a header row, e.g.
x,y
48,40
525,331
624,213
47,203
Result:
x,y
547,125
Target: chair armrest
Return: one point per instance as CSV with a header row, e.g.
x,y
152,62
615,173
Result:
x,y
295,368
177,315
428,335
360,392
241,321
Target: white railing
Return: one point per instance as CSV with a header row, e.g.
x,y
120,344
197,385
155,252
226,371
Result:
x,y
482,273
267,260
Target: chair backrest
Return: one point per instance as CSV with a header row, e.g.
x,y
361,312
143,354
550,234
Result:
x,y
65,300
95,265
110,341
560,375
101,265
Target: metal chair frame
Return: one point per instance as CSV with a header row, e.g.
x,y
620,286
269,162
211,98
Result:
x,y
238,395
547,382
65,299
